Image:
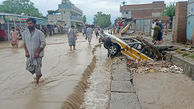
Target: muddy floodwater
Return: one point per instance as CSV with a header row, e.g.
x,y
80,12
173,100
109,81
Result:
x,y
164,91
62,70
98,94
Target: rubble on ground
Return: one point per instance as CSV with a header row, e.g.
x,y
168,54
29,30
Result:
x,y
154,67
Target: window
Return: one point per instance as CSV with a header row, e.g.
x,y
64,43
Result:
x,y
127,12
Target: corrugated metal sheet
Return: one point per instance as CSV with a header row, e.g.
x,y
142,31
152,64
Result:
x,y
147,26
143,25
139,25
190,27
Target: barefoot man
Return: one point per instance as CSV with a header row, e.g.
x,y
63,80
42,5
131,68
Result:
x,y
89,33
72,37
34,44
14,37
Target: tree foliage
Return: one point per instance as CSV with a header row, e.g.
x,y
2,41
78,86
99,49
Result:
x,y
169,10
19,7
84,19
102,20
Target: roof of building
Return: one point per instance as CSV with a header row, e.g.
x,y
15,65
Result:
x,y
17,15
41,21
69,5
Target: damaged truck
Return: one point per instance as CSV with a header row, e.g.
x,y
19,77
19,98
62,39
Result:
x,y
135,48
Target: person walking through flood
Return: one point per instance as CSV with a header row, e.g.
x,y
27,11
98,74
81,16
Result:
x,y
72,37
14,35
34,44
101,31
96,32
84,31
114,29
89,33
156,33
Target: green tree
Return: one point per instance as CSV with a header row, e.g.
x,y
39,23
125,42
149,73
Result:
x,y
169,10
102,20
84,19
20,6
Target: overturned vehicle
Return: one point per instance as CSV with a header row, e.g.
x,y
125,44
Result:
x,y
135,48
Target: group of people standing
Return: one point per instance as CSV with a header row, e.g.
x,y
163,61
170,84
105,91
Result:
x,y
157,31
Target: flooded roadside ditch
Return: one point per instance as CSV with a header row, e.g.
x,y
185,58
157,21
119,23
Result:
x,y
93,90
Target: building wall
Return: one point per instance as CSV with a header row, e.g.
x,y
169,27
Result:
x,y
180,22
190,21
66,17
76,16
147,26
158,4
53,18
137,14
143,25
69,13
126,14
139,25
143,10
190,27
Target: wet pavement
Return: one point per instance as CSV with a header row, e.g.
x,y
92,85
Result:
x,y
62,70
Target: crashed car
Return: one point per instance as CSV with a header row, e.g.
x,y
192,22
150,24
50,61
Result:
x,y
131,47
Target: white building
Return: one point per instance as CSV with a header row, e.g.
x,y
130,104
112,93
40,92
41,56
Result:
x,y
67,13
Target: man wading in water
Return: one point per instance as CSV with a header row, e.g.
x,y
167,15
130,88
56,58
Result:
x,y
34,44
72,37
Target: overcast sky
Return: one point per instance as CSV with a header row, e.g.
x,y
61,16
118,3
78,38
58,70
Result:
x,y
91,7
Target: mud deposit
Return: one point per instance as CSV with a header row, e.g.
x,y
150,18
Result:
x,y
164,90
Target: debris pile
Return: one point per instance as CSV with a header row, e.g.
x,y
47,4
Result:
x,y
154,67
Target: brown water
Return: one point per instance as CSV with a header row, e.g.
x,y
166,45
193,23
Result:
x,y
62,70
98,94
164,91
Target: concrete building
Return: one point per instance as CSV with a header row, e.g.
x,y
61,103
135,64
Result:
x,y
140,11
67,13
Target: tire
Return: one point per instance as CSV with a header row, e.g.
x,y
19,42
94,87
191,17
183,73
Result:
x,y
113,50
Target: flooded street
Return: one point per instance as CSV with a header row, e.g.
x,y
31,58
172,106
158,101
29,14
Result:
x,y
164,90
62,70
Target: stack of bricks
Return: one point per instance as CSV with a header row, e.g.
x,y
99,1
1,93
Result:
x,y
180,27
